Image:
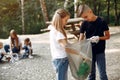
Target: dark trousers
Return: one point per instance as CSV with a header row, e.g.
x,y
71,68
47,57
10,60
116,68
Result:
x,y
98,59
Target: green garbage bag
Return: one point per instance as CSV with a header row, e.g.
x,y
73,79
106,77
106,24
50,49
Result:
x,y
83,69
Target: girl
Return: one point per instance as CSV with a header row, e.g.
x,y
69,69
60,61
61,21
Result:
x,y
58,41
28,48
15,44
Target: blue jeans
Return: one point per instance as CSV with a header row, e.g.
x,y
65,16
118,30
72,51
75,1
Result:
x,y
61,66
26,49
101,63
14,49
7,47
25,55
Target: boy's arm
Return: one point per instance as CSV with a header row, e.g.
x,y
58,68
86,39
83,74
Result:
x,y
81,36
106,35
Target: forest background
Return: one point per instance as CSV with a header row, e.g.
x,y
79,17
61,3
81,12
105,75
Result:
x,y
30,16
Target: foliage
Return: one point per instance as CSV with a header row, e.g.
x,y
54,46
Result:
x,y
103,9
9,17
10,13
34,21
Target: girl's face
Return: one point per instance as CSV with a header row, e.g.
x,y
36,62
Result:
x,y
64,20
12,35
26,42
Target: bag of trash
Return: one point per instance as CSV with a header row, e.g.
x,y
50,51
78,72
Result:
x,y
80,65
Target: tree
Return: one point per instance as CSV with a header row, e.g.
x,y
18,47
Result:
x,y
75,7
108,10
66,3
22,15
44,9
95,6
116,12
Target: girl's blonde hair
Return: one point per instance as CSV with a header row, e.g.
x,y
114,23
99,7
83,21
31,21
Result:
x,y
57,20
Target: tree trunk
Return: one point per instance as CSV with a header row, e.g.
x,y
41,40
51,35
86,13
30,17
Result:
x,y
44,9
99,7
22,12
108,9
118,17
66,4
75,8
116,14
95,6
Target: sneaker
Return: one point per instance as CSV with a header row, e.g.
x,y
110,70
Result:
x,y
30,56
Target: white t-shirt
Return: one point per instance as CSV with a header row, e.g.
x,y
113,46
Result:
x,y
2,51
19,41
57,51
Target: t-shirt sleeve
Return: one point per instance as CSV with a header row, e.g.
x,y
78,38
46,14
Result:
x,y
60,36
82,27
105,26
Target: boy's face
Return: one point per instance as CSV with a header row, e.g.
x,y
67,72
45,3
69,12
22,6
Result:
x,y
87,16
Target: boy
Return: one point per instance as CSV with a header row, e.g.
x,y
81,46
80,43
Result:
x,y
95,29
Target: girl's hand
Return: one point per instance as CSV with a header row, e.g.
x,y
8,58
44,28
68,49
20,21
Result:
x,y
72,51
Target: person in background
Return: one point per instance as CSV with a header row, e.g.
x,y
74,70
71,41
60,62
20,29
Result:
x,y
96,30
15,45
28,48
2,52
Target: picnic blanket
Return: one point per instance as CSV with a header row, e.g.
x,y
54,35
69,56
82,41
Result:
x,y
80,65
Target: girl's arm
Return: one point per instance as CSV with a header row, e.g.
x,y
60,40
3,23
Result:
x,y
64,43
21,46
71,51
30,44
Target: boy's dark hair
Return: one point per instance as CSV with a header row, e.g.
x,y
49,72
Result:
x,y
27,40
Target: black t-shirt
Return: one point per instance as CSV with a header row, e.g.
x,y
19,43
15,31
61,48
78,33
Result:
x,y
95,28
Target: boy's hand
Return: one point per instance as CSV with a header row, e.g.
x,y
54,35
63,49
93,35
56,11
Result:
x,y
94,39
